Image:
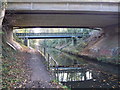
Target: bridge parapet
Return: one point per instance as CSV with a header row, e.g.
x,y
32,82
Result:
x,y
79,5
63,0
60,13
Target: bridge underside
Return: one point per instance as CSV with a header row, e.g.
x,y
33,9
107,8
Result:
x,y
61,19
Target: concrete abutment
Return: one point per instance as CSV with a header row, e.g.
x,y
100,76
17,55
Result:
x,y
107,46
8,35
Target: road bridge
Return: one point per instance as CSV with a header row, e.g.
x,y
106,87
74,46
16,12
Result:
x,y
63,13
66,13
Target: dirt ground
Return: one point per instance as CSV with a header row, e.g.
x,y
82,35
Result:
x,y
38,76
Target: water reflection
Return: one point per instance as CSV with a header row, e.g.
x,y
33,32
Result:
x,y
64,59
68,74
82,74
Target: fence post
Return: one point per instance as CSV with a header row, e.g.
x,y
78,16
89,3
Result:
x,y
48,62
44,51
57,74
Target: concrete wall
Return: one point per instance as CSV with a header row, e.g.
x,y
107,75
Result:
x,y
107,46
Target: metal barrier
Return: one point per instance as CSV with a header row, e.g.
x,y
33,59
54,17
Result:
x,y
49,58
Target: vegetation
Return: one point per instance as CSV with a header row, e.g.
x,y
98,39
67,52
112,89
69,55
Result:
x,y
55,82
67,41
10,68
114,59
13,67
67,45
3,4
21,41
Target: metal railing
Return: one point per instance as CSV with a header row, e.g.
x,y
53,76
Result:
x,y
49,59
50,34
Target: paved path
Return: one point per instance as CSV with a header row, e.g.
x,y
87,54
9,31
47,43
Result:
x,y
40,77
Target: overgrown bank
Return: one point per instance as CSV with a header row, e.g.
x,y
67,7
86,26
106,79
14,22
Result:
x,y
14,70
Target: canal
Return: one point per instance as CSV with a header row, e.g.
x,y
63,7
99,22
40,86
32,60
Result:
x,y
75,72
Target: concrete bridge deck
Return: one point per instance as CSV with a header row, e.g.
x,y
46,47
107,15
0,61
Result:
x,y
61,13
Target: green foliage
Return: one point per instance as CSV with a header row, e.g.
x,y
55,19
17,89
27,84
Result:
x,y
3,4
114,59
102,58
1,32
17,39
66,43
32,43
67,88
55,81
58,83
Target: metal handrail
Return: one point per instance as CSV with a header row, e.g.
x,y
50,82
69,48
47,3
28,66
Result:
x,y
47,56
56,63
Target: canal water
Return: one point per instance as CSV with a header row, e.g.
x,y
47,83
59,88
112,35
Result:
x,y
75,72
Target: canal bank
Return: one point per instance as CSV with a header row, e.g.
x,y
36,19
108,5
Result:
x,y
90,73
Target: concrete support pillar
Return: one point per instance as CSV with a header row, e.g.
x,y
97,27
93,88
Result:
x,y
74,41
26,42
8,31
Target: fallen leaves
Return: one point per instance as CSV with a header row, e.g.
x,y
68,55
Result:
x,y
14,70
